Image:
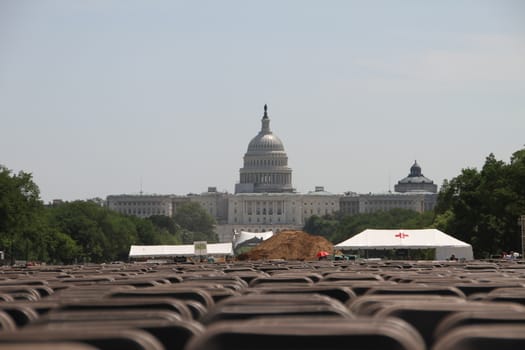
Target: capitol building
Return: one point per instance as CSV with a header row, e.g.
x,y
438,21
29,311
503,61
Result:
x,y
265,199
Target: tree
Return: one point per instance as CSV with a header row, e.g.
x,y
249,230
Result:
x,y
120,233
324,226
168,231
157,230
482,207
84,230
60,248
197,223
100,234
20,209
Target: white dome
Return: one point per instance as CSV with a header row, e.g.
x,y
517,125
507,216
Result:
x,y
265,163
265,142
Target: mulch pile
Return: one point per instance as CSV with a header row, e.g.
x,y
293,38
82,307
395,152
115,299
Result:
x,y
289,245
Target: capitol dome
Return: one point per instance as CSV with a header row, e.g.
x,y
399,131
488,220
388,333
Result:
x,y
265,142
265,163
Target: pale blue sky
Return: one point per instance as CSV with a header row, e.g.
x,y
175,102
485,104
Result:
x,y
97,95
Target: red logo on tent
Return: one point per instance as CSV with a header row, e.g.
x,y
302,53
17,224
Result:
x,y
401,235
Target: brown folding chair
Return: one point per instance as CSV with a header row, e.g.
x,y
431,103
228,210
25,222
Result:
x,y
102,338
309,334
483,337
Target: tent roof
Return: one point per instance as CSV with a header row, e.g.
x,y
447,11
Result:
x,y
178,250
245,236
220,249
388,239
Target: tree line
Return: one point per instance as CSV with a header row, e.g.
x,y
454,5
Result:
x,y
85,231
480,207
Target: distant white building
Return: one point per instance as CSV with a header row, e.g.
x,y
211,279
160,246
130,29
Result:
x,y
414,192
373,202
265,200
141,205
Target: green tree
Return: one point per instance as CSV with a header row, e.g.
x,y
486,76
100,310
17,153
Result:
x,y
196,223
84,230
120,233
157,230
482,207
168,231
60,248
20,212
165,222
324,226
101,234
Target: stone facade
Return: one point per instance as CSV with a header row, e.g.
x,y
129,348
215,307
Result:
x,y
352,204
265,200
141,205
319,202
253,212
215,203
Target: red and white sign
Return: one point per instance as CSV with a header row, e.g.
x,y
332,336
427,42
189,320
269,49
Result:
x,y
401,235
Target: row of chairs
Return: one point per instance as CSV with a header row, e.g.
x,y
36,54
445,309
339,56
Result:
x,y
261,305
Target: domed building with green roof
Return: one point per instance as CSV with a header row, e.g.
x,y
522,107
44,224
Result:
x,y
415,182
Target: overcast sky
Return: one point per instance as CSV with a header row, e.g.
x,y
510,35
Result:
x,y
97,97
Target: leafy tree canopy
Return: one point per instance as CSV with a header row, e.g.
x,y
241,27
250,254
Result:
x,y
196,223
20,211
483,207
102,234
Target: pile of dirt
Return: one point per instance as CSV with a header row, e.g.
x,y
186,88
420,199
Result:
x,y
289,245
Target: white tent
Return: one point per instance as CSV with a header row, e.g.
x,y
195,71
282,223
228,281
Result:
x,y
444,244
240,237
147,251
220,249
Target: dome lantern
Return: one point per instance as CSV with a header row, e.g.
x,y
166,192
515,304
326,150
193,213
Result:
x,y
265,121
415,170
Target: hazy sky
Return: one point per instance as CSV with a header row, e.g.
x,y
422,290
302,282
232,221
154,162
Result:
x,y
99,96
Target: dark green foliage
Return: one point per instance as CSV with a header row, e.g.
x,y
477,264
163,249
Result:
x,y
195,223
20,213
324,226
102,234
158,229
78,231
105,235
164,222
483,207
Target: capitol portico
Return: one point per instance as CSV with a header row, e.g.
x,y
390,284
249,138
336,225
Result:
x,y
265,199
